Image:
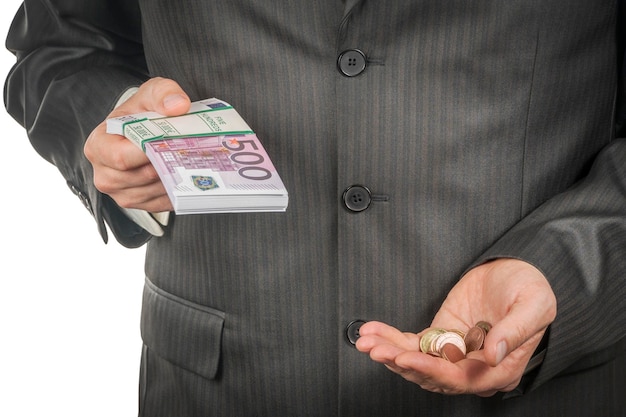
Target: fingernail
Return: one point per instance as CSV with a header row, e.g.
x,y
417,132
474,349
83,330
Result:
x,y
173,100
500,351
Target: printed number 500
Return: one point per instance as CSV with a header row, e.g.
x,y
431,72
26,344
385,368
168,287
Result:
x,y
248,158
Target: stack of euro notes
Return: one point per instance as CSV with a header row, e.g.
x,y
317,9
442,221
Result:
x,y
209,160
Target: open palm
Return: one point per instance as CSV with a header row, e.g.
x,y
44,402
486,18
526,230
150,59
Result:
x,y
510,294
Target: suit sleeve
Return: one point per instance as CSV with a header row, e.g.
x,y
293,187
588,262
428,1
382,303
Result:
x,y
578,240
75,58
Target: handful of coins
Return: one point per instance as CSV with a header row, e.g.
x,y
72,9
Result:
x,y
454,345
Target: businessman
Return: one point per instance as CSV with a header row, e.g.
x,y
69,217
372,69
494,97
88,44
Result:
x,y
446,162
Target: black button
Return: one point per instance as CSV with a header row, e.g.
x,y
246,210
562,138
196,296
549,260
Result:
x,y
351,62
357,198
352,331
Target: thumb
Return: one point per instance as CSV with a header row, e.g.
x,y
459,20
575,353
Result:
x,y
161,95
521,329
174,104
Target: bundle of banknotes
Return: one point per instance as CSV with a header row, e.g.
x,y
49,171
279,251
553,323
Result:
x,y
209,160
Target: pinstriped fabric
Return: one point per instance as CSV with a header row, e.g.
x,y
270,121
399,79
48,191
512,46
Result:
x,y
473,122
269,273
447,122
598,277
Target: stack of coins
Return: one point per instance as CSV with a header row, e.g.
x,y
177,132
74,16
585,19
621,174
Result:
x,y
454,345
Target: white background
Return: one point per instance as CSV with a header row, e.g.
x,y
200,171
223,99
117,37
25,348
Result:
x,y
69,304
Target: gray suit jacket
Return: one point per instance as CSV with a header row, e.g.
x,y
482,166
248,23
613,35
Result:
x,y
482,130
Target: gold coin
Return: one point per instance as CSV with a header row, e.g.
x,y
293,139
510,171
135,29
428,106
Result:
x,y
459,332
426,342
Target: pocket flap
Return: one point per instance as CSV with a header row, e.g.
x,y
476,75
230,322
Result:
x,y
186,334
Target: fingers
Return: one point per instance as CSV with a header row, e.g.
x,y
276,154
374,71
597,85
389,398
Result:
x,y
160,95
400,353
121,169
514,296
528,317
469,376
434,374
113,151
119,154
374,333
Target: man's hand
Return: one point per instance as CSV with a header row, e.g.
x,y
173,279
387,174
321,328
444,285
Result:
x,y
121,169
510,294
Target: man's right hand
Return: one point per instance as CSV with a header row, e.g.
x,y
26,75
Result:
x,y
121,169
